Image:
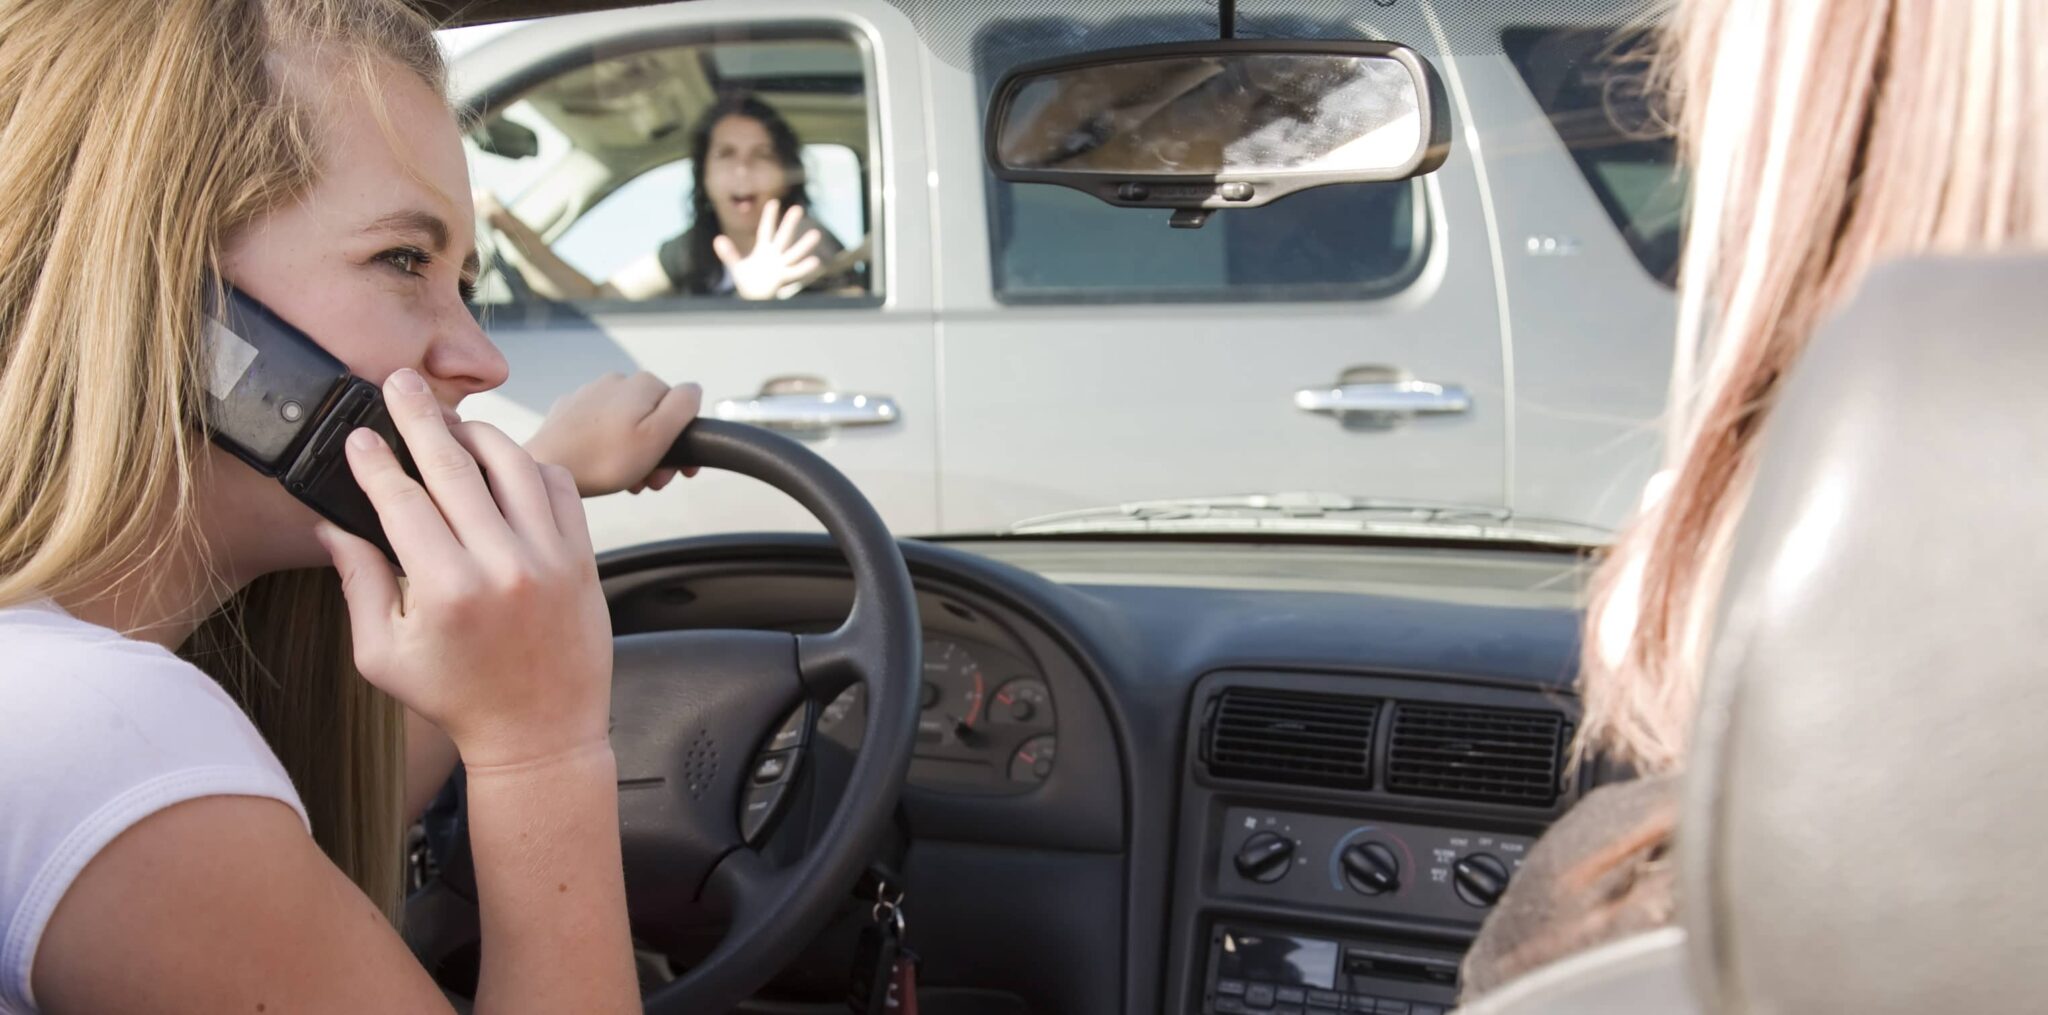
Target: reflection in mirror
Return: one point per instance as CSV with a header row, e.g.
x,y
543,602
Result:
x,y
1216,113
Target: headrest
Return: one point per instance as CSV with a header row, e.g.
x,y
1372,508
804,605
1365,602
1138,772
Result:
x,y
1869,781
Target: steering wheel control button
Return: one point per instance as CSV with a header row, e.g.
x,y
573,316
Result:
x,y
767,787
791,733
1479,879
1265,857
774,768
758,812
1370,868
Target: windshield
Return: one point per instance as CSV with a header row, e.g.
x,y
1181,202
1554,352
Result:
x,y
1486,346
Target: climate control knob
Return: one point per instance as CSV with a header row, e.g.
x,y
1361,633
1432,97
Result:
x,y
1264,857
1479,879
1370,868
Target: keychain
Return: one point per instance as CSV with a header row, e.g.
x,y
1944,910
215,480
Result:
x,y
883,980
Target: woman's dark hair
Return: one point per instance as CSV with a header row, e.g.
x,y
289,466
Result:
x,y
704,265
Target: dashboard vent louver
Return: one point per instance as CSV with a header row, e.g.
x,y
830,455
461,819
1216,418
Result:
x,y
1279,736
1491,755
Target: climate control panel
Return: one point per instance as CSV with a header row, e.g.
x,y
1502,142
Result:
x,y
1361,864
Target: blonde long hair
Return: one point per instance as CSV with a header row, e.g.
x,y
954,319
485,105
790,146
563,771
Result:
x,y
1823,136
137,138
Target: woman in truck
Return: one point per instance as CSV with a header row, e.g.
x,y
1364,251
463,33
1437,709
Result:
x,y
750,234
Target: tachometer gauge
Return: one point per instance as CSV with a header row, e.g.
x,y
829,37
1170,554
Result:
x,y
1033,761
953,701
1022,702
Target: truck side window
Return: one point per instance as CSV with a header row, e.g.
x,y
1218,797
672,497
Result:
x,y
622,178
1591,85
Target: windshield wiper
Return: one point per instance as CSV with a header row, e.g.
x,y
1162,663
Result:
x,y
1310,513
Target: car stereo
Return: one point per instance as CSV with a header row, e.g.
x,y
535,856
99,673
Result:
x,y
1261,970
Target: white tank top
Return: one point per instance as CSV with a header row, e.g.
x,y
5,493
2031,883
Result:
x,y
97,732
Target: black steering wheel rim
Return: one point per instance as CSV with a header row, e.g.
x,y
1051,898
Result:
x,y
692,708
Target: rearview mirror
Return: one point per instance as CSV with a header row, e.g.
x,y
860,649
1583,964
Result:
x,y
501,137
1228,124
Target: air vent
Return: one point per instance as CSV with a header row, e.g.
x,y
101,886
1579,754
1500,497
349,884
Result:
x,y
1278,736
1493,755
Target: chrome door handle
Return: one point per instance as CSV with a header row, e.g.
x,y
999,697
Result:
x,y
1384,399
809,410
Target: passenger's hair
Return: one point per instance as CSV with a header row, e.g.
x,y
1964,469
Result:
x,y
135,140
704,267
1823,137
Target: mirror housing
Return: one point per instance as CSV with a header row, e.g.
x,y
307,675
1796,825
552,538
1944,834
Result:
x,y
1238,123
501,137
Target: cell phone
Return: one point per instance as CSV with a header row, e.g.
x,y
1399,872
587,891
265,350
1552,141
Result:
x,y
285,406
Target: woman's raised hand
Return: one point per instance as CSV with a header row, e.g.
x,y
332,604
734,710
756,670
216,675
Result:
x,y
500,634
779,257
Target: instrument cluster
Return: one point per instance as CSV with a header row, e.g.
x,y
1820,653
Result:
x,y
987,721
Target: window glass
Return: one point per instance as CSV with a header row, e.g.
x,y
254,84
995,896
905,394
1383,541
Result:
x,y
596,181
1591,85
1055,245
506,176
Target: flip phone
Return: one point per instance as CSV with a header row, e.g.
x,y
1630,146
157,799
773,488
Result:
x,y
284,405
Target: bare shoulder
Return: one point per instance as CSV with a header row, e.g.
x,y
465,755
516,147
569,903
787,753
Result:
x,y
222,904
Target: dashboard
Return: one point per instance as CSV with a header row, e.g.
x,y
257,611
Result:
x,y
1146,769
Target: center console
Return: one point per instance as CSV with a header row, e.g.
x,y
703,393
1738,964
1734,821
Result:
x,y
1344,836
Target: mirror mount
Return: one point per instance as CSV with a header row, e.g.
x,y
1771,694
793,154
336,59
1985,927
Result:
x,y
1232,123
1190,218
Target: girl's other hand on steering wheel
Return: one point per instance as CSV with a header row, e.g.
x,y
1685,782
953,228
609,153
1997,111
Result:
x,y
779,258
611,434
500,636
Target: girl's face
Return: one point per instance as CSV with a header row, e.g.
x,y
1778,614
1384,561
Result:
x,y
742,174
374,263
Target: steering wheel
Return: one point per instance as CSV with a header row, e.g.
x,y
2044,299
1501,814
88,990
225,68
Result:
x,y
691,710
